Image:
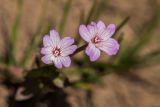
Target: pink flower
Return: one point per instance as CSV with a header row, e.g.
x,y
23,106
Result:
x,y
57,50
99,38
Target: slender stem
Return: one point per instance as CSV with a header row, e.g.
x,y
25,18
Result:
x,y
79,49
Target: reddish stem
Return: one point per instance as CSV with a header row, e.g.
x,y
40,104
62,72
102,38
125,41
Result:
x,y
79,49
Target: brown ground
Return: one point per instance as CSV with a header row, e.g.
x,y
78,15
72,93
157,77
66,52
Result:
x,y
141,89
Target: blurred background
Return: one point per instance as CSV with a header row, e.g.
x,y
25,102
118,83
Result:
x,y
129,79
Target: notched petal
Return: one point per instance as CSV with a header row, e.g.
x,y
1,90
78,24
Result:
x,y
111,29
92,52
67,41
58,63
108,32
54,36
101,25
66,61
69,50
47,41
111,46
46,50
47,59
84,33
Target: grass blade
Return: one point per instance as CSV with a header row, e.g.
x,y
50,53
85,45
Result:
x,y
14,33
65,16
34,42
100,9
124,22
91,12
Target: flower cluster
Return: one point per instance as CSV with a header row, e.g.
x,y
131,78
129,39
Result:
x,y
97,36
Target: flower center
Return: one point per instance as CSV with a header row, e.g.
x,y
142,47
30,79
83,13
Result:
x,y
56,52
96,40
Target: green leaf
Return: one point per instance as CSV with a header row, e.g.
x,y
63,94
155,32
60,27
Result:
x,y
42,72
82,85
89,75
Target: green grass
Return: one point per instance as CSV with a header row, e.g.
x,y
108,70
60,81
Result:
x,y
14,32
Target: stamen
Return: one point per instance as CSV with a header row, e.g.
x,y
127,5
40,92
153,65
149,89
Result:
x,y
96,40
56,52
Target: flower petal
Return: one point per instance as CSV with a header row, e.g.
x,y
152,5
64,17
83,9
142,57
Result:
x,y
84,33
54,36
46,50
92,30
111,46
92,52
67,41
108,32
47,41
93,24
47,59
68,50
101,25
66,61
58,62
